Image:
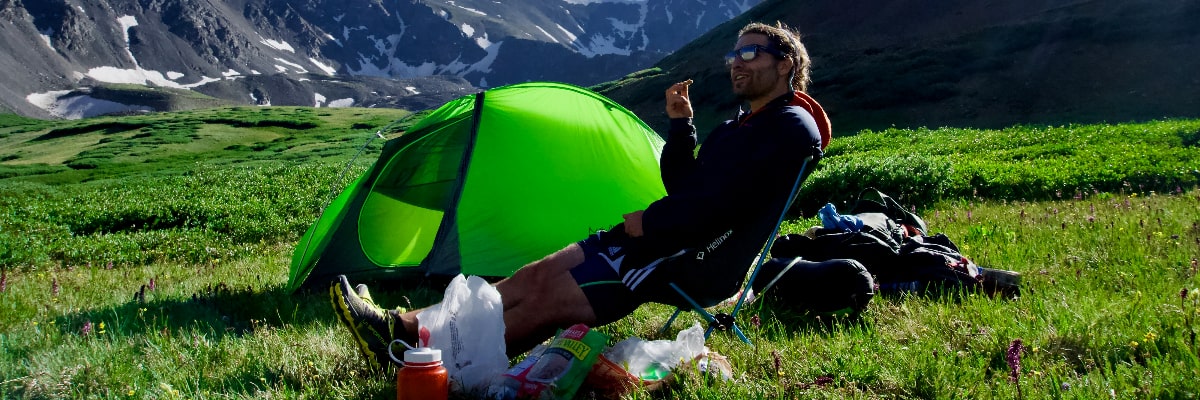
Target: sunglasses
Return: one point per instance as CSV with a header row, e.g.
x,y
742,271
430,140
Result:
x,y
749,52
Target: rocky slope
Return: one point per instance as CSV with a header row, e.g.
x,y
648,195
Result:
x,y
296,52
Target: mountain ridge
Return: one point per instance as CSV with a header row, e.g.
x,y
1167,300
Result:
x,y
62,45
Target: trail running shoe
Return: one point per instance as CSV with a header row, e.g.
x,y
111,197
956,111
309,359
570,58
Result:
x,y
372,327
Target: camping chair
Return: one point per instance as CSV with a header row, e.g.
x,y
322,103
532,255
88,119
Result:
x,y
722,321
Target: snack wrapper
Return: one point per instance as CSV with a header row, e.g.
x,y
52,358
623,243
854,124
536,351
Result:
x,y
559,371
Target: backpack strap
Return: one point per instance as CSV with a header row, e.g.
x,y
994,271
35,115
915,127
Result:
x,y
824,127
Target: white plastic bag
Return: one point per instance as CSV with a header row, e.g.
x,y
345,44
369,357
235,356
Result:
x,y
653,360
468,326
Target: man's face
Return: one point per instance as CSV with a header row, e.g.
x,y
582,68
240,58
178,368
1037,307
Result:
x,y
758,77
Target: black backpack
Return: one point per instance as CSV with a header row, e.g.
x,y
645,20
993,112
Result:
x,y
892,245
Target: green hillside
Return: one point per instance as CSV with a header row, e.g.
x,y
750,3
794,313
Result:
x,y
972,64
170,143
138,252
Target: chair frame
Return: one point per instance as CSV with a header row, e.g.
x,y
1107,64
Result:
x,y
723,321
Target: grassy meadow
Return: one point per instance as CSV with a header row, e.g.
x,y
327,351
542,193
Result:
x,y
147,256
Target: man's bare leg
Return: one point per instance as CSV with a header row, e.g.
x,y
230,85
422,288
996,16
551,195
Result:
x,y
539,299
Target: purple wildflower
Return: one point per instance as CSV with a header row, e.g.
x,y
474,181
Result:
x,y
1014,360
86,329
54,287
152,285
109,266
1183,294
823,380
755,321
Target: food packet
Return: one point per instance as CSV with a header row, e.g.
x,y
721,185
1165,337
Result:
x,y
558,371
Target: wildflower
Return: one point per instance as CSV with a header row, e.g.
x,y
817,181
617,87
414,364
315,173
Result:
x,y
755,321
1065,386
778,362
86,329
1133,344
54,287
110,266
100,328
1150,336
1183,294
1014,360
152,285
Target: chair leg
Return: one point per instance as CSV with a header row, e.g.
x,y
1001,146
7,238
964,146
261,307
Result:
x,y
666,326
712,320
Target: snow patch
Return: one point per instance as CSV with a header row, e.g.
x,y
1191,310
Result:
x,y
230,72
485,64
339,18
143,77
467,8
255,72
76,107
483,42
46,36
570,35
468,30
547,34
412,89
319,99
324,67
126,23
342,103
277,45
280,69
172,75
600,45
297,67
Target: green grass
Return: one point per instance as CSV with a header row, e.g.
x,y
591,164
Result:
x,y
193,304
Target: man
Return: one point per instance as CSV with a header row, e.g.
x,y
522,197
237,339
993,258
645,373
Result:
x,y
722,203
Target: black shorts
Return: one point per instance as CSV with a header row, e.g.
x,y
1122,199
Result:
x,y
615,285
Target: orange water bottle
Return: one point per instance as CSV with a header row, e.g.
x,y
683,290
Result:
x,y
422,377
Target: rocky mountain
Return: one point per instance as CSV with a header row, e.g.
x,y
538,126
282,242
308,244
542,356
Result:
x,y
970,63
328,52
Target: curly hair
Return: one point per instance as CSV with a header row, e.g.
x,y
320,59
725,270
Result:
x,y
787,41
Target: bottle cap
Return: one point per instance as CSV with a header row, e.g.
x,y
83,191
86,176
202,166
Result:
x,y
422,355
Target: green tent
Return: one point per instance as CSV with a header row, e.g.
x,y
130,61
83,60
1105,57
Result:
x,y
485,184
